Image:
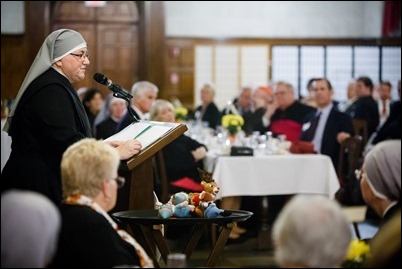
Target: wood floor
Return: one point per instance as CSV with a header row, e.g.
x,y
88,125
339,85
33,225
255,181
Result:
x,y
237,255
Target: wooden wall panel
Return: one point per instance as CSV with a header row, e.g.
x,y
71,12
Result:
x,y
14,64
146,22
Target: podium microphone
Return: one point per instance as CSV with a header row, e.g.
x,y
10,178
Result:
x,y
114,87
118,92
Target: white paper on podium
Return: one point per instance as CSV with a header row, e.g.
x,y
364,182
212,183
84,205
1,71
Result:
x,y
147,132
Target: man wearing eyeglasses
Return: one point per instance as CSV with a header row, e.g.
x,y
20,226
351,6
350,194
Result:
x,y
47,116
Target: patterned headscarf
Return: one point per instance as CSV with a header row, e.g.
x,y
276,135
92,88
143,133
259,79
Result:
x,y
57,45
383,167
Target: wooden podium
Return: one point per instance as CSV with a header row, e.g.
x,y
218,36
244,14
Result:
x,y
139,172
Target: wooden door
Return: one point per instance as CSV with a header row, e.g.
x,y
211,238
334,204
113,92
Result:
x,y
112,34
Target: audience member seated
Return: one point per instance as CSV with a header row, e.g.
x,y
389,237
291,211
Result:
x,y
93,102
144,95
333,126
243,105
391,129
208,111
309,98
30,225
381,178
384,101
311,231
182,156
89,237
107,127
285,115
351,95
262,98
365,107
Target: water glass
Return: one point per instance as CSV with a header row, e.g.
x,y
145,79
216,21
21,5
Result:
x,y
176,260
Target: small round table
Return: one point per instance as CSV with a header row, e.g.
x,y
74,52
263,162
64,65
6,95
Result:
x,y
151,231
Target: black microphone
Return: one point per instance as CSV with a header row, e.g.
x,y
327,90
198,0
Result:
x,y
114,87
118,92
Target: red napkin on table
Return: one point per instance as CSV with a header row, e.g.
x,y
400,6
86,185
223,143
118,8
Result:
x,y
187,183
302,147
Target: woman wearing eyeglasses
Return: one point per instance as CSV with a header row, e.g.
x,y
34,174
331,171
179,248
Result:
x,y
89,237
47,117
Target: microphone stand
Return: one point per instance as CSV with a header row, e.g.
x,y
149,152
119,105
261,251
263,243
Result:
x,y
127,97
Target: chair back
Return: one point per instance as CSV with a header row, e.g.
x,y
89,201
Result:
x,y
360,129
350,159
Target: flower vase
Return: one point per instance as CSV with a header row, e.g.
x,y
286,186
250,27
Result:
x,y
232,138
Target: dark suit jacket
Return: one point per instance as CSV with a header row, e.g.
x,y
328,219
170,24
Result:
x,y
365,108
391,129
49,118
88,240
337,122
179,161
126,120
106,128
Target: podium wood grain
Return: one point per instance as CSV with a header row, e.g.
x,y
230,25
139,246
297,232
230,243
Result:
x,y
141,172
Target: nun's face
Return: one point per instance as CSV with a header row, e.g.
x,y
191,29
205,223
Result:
x,y
74,65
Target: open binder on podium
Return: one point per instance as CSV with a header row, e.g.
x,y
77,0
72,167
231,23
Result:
x,y
153,135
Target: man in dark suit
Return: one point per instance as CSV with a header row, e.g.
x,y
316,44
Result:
x,y
285,114
333,126
365,107
144,94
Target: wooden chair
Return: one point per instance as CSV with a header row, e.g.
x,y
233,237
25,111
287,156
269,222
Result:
x,y
360,129
350,157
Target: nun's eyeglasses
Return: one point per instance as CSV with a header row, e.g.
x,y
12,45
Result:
x,y
81,56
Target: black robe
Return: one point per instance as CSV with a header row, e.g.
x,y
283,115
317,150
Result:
x,y
49,118
87,240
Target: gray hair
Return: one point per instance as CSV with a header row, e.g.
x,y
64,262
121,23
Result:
x,y
289,87
208,87
85,164
158,107
311,231
141,87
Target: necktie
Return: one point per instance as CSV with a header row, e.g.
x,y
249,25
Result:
x,y
309,134
384,108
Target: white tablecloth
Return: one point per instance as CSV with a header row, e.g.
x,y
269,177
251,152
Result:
x,y
275,174
5,145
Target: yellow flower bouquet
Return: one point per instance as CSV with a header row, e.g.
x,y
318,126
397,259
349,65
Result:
x,y
357,254
180,113
232,122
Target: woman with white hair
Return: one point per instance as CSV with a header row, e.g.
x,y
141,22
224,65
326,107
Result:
x,y
311,231
89,237
47,116
381,178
